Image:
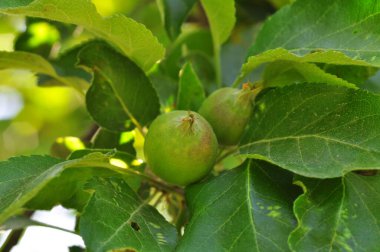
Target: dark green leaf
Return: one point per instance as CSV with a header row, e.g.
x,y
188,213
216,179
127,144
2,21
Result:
x,y
76,249
190,93
131,37
175,13
121,95
316,130
338,214
115,218
245,209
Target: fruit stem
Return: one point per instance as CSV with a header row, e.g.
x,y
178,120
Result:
x,y
224,155
153,181
187,122
218,67
157,183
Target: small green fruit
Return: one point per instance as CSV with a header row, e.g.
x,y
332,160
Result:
x,y
180,147
228,111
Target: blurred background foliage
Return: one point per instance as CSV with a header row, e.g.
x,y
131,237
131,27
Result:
x,y
33,118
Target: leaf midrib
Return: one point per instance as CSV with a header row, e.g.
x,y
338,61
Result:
x,y
328,139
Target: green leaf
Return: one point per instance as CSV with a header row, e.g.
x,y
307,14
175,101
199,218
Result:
x,y
338,214
190,93
21,178
62,187
66,65
174,13
37,64
329,57
105,139
282,73
37,178
194,42
245,209
349,27
354,74
116,218
117,158
121,95
132,38
317,131
67,188
307,30
221,19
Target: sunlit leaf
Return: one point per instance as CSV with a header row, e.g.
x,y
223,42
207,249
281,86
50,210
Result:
x,y
314,130
132,38
37,64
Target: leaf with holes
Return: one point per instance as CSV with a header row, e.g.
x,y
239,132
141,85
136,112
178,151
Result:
x,y
338,214
316,130
245,209
116,218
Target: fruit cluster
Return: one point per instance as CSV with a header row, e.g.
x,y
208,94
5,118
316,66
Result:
x,y
181,147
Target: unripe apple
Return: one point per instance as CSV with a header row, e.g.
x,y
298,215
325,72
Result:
x,y
180,147
228,111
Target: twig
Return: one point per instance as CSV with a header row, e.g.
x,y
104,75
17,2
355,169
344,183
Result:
x,y
226,154
15,236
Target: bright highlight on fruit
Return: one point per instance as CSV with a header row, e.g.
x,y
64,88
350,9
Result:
x,y
180,147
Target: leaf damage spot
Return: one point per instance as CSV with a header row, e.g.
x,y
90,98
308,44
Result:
x,y
135,226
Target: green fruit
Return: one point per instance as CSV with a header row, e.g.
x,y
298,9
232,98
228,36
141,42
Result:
x,y
180,147
228,111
